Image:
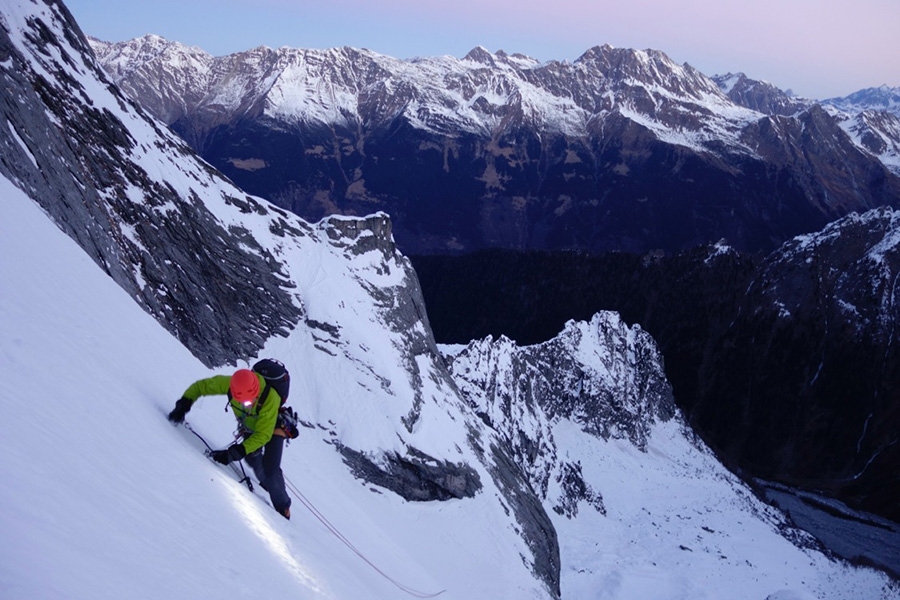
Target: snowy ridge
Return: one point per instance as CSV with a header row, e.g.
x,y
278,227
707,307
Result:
x,y
870,117
882,98
350,131
603,375
868,274
481,93
760,95
877,132
189,62
663,509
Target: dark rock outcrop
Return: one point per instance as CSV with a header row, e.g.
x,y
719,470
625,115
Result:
x,y
201,279
415,476
809,367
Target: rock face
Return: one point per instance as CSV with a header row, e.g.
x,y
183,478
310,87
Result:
x,y
620,150
870,117
760,96
578,375
878,132
94,169
604,375
809,364
883,98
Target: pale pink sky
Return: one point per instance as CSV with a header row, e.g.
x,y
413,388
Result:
x,y
817,48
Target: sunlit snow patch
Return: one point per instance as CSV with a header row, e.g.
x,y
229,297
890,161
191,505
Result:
x,y
261,527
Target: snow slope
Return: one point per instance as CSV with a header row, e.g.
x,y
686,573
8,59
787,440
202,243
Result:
x,y
354,376
103,498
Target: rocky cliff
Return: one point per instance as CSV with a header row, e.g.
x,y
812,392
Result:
x,y
809,362
135,196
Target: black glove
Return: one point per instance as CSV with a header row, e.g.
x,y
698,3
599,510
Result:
x,y
233,453
181,408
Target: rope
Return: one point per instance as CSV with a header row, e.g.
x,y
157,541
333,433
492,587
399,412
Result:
x,y
334,530
309,505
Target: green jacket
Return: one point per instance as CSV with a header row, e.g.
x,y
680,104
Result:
x,y
259,419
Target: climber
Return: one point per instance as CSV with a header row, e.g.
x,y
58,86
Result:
x,y
256,406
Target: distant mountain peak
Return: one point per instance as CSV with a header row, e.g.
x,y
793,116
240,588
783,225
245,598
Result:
x,y
759,95
883,97
480,54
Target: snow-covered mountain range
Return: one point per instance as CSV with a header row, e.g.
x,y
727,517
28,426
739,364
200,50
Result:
x,y
619,150
884,98
481,94
485,471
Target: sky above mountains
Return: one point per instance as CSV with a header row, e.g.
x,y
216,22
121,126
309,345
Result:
x,y
817,48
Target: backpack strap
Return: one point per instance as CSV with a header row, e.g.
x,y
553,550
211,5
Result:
x,y
265,395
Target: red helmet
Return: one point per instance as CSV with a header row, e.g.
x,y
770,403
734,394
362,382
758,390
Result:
x,y
244,386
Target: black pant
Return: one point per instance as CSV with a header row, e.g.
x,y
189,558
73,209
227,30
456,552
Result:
x,y
266,465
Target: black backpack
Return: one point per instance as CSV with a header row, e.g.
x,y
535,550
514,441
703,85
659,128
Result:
x,y
277,377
